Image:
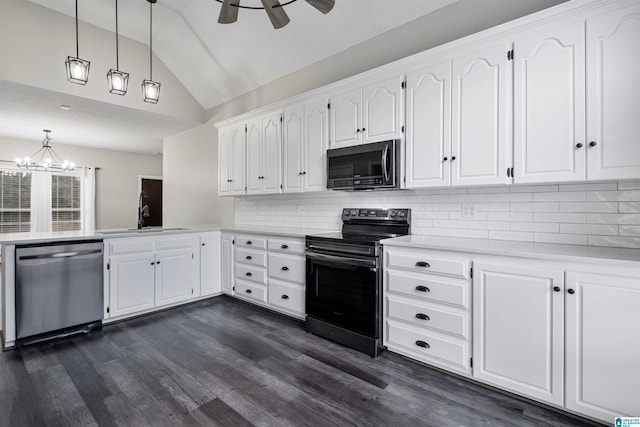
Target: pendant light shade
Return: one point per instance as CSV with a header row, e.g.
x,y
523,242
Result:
x,y
77,69
116,79
150,89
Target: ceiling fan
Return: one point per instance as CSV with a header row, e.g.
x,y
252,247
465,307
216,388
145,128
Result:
x,y
274,9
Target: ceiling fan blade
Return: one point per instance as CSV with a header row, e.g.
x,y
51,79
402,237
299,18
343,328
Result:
x,y
323,6
228,12
276,13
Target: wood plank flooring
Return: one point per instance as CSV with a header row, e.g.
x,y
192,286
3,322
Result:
x,y
221,362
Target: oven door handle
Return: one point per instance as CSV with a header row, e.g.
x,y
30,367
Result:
x,y
344,260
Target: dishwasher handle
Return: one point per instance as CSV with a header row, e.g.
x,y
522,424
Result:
x,y
61,254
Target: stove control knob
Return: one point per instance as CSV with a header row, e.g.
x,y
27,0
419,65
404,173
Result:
x,y
346,212
402,214
392,214
354,212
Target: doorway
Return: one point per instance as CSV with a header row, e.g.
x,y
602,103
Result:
x,y
151,189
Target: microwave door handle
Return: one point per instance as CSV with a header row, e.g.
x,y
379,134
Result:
x,y
385,168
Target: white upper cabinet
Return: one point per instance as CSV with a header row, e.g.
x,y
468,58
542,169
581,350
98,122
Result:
x,y
264,142
369,114
549,106
231,159
305,133
613,93
428,120
481,112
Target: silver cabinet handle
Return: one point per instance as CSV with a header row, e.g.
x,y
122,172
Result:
x,y
385,169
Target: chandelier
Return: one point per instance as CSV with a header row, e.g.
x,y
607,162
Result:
x,y
48,160
273,8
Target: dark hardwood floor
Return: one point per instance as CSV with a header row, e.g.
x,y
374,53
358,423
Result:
x,y
222,362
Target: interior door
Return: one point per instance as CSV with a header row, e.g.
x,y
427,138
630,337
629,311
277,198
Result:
x,y
152,188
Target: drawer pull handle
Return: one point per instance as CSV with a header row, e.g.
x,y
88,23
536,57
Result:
x,y
248,273
285,268
285,296
422,288
423,264
248,291
422,316
422,344
248,257
249,242
284,247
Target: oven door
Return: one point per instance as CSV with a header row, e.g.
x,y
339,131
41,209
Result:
x,y
344,291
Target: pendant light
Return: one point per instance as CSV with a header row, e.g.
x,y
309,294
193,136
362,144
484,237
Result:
x,y
77,69
116,79
150,89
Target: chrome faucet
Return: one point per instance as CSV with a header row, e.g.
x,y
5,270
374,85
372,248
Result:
x,y
143,210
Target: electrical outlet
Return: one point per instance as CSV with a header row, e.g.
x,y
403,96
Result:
x,y
468,211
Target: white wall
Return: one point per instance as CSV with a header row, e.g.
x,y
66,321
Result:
x,y
116,181
595,214
35,41
191,180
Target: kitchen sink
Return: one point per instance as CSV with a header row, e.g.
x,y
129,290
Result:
x,y
142,230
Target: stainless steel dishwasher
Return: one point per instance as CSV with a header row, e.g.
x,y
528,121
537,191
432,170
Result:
x,y
59,289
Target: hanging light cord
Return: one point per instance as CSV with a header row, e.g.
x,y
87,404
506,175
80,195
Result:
x,y
77,45
117,59
150,41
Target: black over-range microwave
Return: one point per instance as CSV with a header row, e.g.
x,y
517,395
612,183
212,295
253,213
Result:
x,y
364,167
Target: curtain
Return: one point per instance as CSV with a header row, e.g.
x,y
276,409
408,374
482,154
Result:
x,y
88,198
40,201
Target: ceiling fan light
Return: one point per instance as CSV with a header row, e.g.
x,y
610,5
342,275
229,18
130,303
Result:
x,y
118,81
150,91
77,70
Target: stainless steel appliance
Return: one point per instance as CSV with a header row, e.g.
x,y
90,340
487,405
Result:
x,y
344,277
59,289
364,167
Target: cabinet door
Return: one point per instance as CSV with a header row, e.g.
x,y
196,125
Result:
x,y
227,260
603,349
481,110
174,276
293,137
382,105
254,157
316,128
518,324
224,163
210,264
131,283
428,126
549,106
271,153
237,160
345,119
613,93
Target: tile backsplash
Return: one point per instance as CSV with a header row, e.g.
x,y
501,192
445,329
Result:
x,y
595,214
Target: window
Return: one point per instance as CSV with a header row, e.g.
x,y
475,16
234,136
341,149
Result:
x,y
65,203
15,201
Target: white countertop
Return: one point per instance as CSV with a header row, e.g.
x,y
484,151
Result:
x,y
510,248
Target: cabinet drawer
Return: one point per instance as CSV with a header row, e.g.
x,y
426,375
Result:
x,y
429,316
428,288
288,245
287,267
251,257
424,345
251,291
176,242
290,298
255,274
424,261
251,241
130,246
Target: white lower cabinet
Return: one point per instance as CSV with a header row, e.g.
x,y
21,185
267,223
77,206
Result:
x,y
210,264
227,263
603,345
145,273
518,329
